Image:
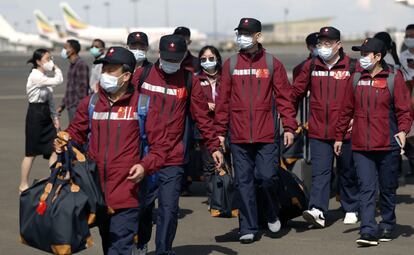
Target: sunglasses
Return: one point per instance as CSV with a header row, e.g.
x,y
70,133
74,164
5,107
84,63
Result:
x,y
210,59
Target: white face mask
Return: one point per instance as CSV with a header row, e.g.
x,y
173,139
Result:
x,y
325,53
109,83
244,41
366,63
48,66
169,67
209,66
140,55
64,53
409,42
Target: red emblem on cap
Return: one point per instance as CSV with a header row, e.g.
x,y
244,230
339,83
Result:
x,y
138,35
366,41
172,47
246,22
110,52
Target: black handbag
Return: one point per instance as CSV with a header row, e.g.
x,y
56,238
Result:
x,y
54,212
223,193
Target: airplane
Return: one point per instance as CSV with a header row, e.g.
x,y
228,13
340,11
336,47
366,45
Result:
x,y
406,2
19,39
54,32
76,27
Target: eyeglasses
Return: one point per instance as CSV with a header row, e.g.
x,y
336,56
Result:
x,y
326,44
247,33
210,59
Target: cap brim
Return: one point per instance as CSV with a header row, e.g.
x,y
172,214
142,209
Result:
x,y
245,29
178,56
362,48
107,61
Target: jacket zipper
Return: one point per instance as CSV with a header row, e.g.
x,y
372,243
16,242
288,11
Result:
x,y
243,88
336,85
258,88
172,109
376,96
117,138
327,105
362,98
163,99
368,117
107,147
251,103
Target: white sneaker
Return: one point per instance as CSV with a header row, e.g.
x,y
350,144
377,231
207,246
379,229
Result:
x,y
140,251
351,218
247,238
275,226
315,217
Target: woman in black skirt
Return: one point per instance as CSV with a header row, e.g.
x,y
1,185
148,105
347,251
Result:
x,y
41,119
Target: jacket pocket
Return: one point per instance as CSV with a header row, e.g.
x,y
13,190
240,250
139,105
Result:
x,y
239,122
317,118
264,122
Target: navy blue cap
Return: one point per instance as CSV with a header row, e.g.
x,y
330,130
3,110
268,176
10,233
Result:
x,y
118,55
173,47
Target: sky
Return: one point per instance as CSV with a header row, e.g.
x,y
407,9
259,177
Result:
x,y
350,16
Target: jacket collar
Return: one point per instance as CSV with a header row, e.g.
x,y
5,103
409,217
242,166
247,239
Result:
x,y
253,56
342,62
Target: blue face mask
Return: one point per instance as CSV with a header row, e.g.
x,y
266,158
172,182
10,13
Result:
x,y
96,52
64,53
209,66
325,53
169,67
140,55
244,42
109,83
366,63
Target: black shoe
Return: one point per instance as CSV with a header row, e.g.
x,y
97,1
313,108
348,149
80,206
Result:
x,y
367,240
386,236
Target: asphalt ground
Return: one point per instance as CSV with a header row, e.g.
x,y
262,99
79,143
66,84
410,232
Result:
x,y
198,233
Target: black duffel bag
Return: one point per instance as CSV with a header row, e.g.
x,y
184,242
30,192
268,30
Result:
x,y
54,212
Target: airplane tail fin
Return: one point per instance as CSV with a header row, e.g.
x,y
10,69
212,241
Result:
x,y
43,24
72,20
5,27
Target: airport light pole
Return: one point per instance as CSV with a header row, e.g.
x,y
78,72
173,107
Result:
x,y
108,20
286,12
135,3
87,8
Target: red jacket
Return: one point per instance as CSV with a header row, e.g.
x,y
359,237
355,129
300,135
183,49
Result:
x,y
169,94
327,89
375,123
206,85
245,99
297,69
114,144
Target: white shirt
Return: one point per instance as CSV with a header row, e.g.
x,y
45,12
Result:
x,y
408,72
39,87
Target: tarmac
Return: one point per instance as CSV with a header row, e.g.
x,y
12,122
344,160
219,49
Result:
x,y
198,233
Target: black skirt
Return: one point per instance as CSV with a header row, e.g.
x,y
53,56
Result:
x,y
40,131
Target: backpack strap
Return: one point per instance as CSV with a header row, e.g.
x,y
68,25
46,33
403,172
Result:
x,y
145,72
269,64
352,65
233,63
355,81
142,111
91,108
390,84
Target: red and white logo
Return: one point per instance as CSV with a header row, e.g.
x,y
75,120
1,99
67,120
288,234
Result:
x,y
246,22
138,35
110,52
172,47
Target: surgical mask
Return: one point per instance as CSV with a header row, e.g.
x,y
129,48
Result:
x,y
409,42
244,41
209,65
48,66
96,52
325,53
366,63
315,52
64,53
109,83
169,67
140,55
